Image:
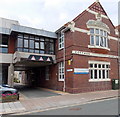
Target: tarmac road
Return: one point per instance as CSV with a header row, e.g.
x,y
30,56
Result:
x,y
32,92
104,107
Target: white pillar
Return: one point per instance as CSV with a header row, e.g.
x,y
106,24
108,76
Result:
x,y
11,75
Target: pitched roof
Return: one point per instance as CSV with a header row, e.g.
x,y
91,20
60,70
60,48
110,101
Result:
x,y
96,6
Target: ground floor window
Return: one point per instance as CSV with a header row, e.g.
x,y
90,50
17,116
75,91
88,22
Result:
x,y
61,71
99,70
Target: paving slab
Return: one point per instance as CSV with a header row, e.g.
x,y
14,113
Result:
x,y
29,105
11,107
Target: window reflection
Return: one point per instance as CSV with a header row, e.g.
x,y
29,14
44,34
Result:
x,y
4,44
35,44
26,43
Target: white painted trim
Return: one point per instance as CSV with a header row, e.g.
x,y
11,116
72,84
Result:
x,y
81,30
6,58
99,80
95,13
90,46
98,62
61,80
93,54
113,38
18,55
100,28
88,31
3,45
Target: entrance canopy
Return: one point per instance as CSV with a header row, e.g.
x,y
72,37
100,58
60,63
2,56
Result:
x,y
24,61
40,58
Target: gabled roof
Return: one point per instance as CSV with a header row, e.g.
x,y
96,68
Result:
x,y
96,7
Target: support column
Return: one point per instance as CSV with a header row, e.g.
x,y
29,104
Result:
x,y
11,75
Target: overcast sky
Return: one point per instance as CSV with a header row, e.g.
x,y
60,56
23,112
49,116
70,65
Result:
x,y
51,14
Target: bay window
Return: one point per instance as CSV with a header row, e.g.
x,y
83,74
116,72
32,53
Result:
x,y
98,38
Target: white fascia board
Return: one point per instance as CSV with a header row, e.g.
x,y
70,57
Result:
x,y
98,62
82,30
18,55
113,38
93,54
6,58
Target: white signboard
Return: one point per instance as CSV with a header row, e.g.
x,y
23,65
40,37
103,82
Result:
x,y
69,70
81,71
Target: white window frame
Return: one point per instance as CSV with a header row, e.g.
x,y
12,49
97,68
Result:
x,y
61,41
105,38
106,69
61,74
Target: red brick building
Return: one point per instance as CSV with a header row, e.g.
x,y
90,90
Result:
x,y
81,56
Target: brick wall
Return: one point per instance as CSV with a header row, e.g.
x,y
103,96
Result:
x,y
80,41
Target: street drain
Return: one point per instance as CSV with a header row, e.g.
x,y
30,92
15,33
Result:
x,y
75,109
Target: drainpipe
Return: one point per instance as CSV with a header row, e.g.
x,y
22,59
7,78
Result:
x,y
64,64
70,25
119,43
119,55
63,32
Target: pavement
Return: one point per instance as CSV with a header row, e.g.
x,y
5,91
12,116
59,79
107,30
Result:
x,y
101,107
24,106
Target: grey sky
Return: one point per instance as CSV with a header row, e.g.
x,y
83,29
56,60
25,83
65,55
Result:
x,y
51,14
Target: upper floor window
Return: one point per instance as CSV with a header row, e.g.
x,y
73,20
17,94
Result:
x,y
35,44
98,37
61,41
4,44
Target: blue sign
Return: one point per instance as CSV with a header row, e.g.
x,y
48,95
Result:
x,y
81,71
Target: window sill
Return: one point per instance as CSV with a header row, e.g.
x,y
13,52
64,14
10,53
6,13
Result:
x,y
60,48
98,47
99,80
61,80
47,79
